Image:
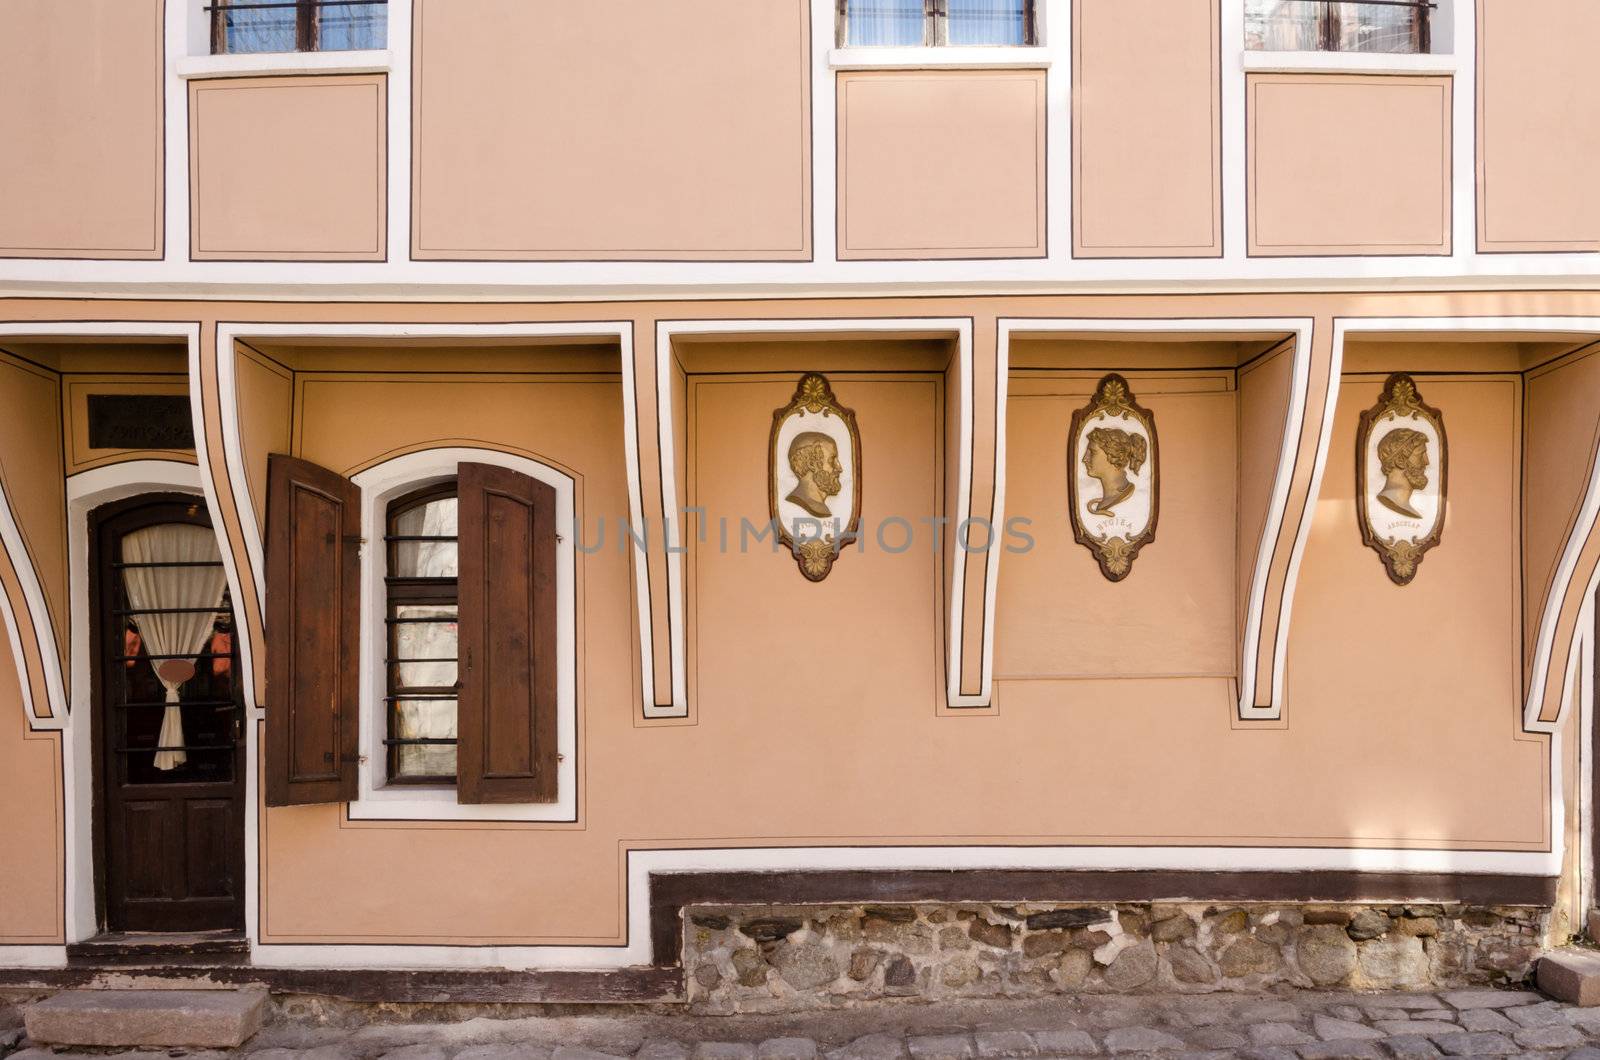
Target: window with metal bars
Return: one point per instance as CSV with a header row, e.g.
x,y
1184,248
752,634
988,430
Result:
x,y
241,27
422,615
1372,26
936,23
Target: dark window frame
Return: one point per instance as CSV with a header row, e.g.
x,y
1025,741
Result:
x,y
936,26
307,21
403,592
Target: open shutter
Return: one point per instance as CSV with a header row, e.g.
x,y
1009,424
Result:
x,y
313,628
506,724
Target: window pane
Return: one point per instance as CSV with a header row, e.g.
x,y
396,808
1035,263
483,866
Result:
x,y
987,21
1377,28
425,674
425,719
1283,25
420,633
426,559
352,27
250,28
884,22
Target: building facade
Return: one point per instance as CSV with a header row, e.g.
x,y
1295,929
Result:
x,y
483,479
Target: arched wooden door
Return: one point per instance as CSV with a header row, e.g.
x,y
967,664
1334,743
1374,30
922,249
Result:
x,y
169,771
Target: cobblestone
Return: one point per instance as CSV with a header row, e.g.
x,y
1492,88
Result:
x,y
1300,1025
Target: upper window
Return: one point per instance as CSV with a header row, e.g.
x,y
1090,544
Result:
x,y
422,620
1383,26
245,26
927,23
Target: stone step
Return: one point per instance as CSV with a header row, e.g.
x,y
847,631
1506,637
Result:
x,y
214,1019
1571,974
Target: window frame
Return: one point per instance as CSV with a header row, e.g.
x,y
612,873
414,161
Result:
x,y
377,798
403,592
307,25
936,27
1329,34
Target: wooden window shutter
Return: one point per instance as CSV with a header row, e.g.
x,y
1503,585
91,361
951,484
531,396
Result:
x,y
313,632
506,723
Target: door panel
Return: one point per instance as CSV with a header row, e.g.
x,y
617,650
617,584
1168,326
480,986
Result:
x,y
170,833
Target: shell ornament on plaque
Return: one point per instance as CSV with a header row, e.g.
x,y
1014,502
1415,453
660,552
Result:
x,y
814,476
1113,477
1401,477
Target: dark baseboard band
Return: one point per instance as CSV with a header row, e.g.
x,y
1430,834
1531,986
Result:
x,y
623,986
671,892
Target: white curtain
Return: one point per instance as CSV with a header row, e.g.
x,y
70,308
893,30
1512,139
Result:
x,y
181,634
884,22
986,22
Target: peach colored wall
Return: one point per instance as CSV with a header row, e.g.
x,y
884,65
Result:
x,y
1147,130
941,164
1264,392
1368,656
1056,615
81,121
75,391
1538,125
266,411
1343,164
32,885
31,468
1561,437
617,129
288,168
869,759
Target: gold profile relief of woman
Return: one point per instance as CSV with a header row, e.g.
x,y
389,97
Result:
x,y
1111,454
1113,483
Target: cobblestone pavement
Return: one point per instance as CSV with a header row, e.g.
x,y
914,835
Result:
x,y
1299,1025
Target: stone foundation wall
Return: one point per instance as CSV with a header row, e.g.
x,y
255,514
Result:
x,y
763,959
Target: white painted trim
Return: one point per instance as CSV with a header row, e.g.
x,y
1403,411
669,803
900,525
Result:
x,y
1464,136
1235,142
1584,866
641,864
1300,329
1346,63
668,330
940,58
33,956
271,64
86,491
380,484
1584,522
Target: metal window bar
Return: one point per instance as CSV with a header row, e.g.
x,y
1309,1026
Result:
x,y
307,18
436,741
164,566
154,658
190,747
1330,35
224,610
216,704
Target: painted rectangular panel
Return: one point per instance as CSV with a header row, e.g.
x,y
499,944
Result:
x,y
288,168
1146,132
81,102
612,129
1348,165
32,471
76,392
1056,615
941,164
1538,125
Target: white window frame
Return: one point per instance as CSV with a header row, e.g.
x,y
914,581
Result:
x,y
376,798
1440,59
935,28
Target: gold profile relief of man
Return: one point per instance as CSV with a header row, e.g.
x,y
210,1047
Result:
x,y
1403,460
1108,457
814,459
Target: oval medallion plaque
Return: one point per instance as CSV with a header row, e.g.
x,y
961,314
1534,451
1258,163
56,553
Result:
x,y
1113,477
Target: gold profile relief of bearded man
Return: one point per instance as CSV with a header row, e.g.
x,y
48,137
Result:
x,y
1403,459
814,459
1109,456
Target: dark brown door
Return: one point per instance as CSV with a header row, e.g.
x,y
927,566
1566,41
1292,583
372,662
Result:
x,y
169,770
